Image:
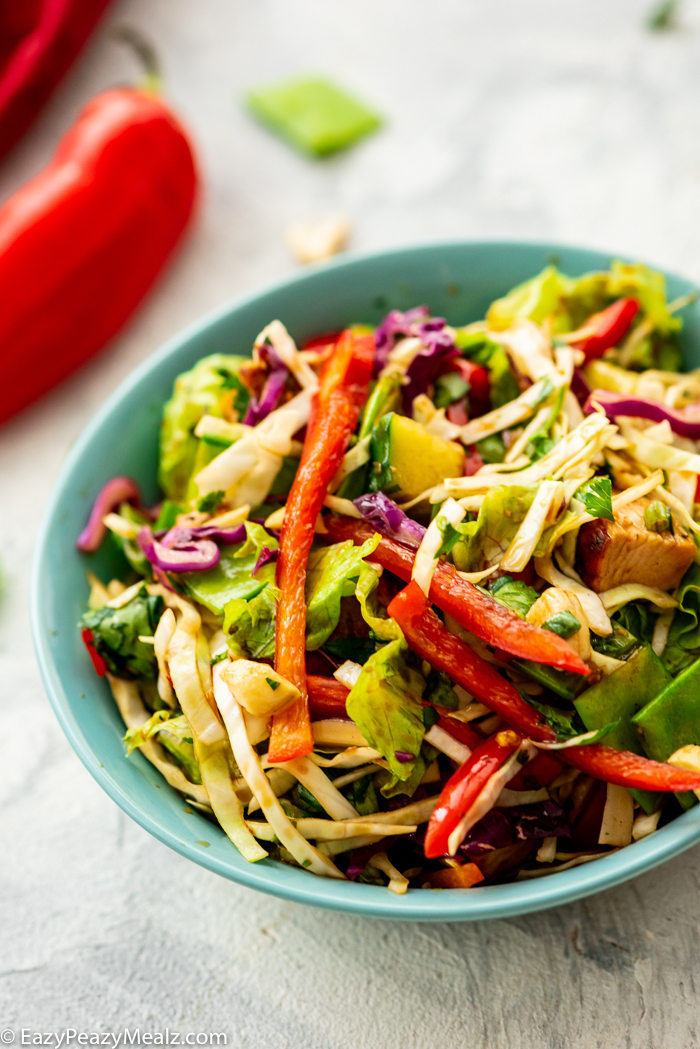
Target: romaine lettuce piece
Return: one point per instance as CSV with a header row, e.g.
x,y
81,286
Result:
x,y
196,393
116,631
330,575
250,625
386,705
683,644
487,539
232,578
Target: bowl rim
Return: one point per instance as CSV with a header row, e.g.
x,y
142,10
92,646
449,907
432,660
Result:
x,y
495,901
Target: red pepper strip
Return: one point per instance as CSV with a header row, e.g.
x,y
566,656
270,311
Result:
x,y
40,42
472,608
326,696
97,660
428,637
81,244
543,769
604,330
629,770
336,408
460,731
479,384
464,787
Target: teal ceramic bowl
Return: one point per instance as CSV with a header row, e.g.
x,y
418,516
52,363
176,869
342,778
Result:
x,y
457,280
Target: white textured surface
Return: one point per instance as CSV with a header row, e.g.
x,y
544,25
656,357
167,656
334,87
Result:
x,y
539,118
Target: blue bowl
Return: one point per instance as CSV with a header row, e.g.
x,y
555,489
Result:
x,y
457,280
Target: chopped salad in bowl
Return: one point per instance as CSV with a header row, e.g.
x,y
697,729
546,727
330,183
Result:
x,y
420,606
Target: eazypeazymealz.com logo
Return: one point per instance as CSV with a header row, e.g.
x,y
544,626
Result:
x,y
128,1036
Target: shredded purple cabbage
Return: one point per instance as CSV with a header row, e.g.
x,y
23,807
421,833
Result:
x,y
502,827
683,421
438,347
403,755
182,553
395,323
259,410
383,514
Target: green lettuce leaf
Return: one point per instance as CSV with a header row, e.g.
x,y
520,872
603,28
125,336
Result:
x,y
250,625
232,579
385,703
380,624
542,296
362,794
486,540
196,393
683,645
174,734
409,786
116,631
331,575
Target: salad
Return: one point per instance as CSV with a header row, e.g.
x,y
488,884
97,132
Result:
x,y
420,606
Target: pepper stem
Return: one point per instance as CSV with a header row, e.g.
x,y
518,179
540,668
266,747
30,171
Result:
x,y
152,79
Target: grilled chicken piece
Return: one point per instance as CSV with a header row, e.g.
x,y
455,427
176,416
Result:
x,y
611,553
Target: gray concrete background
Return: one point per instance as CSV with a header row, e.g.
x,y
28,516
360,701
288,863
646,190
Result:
x,y
510,117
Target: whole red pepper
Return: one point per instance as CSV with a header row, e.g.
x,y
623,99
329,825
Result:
x,y
335,410
464,787
604,330
39,41
81,244
472,608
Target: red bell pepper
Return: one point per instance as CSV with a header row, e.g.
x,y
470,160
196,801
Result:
x,y
432,641
39,41
464,787
629,770
427,636
336,408
479,385
604,330
327,697
81,244
460,731
542,770
97,660
472,608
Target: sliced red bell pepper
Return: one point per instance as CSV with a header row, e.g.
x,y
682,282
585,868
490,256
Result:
x,y
464,787
336,408
460,731
479,384
472,608
542,770
327,697
629,770
432,641
97,660
605,329
427,636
